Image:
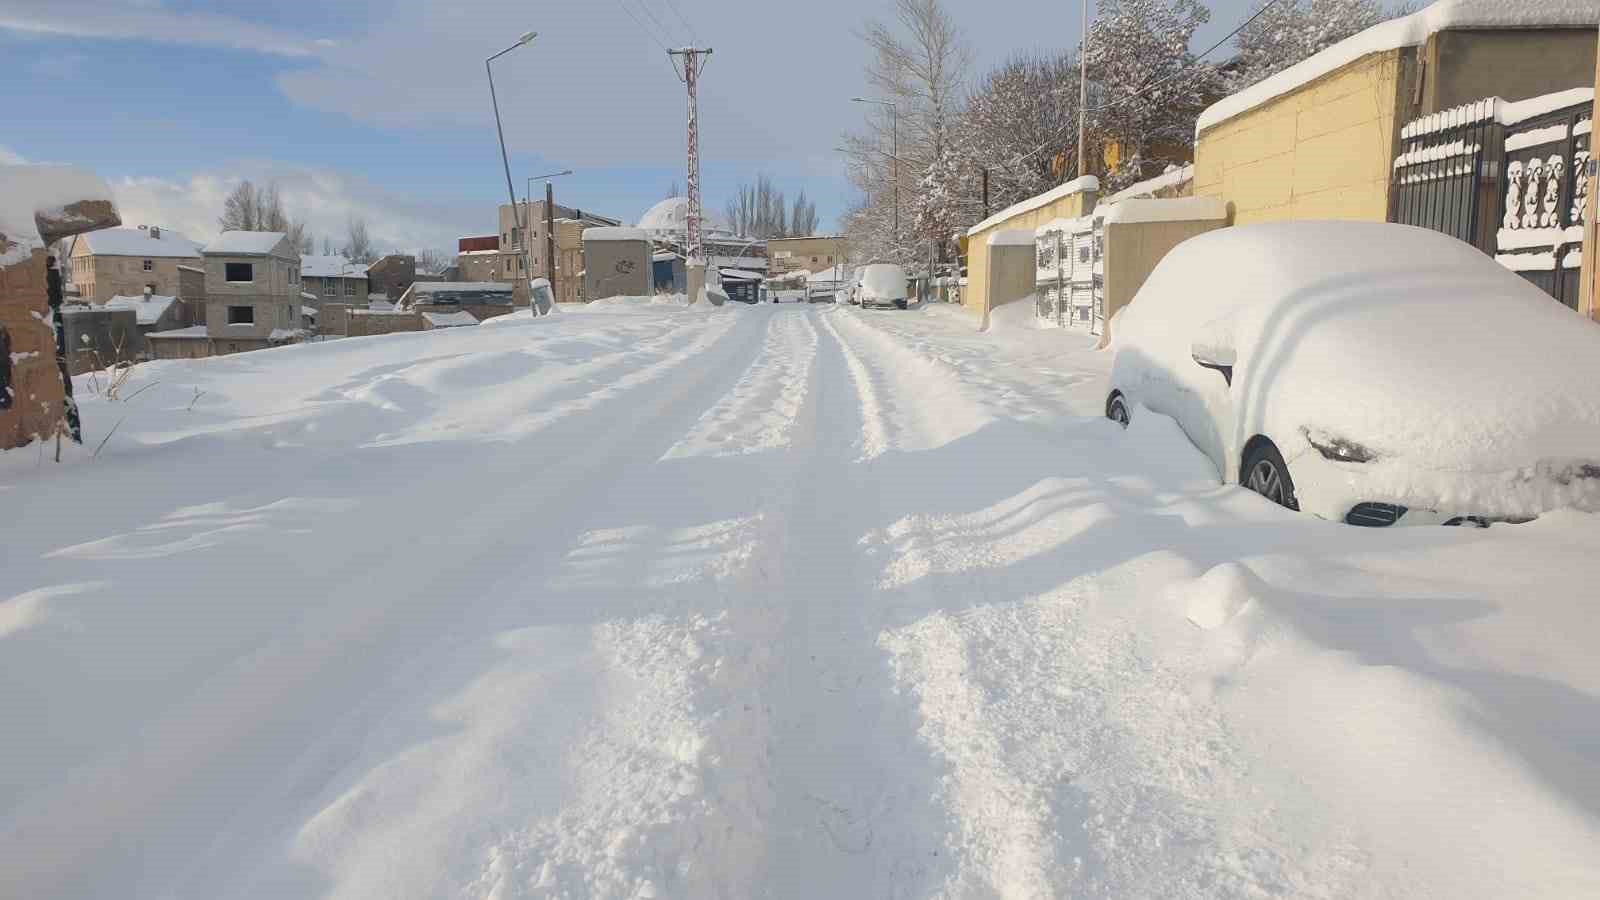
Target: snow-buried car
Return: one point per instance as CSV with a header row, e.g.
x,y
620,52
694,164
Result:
x,y
1370,373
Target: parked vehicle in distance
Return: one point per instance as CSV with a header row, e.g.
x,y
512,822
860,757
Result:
x,y
1366,372
854,291
882,285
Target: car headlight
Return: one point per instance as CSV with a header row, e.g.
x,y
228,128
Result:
x,y
1338,449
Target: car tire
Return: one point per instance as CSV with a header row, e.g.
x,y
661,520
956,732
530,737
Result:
x,y
1117,409
1265,472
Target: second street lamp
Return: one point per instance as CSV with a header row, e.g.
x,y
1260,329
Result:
x,y
894,155
505,160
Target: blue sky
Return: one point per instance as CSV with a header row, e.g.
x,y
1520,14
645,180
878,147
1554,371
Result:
x,y
379,108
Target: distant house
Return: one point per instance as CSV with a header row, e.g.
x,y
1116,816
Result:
x,y
252,291
335,279
457,319
392,275
128,261
809,254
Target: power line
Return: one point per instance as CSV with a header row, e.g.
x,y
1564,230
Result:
x,y
650,13
647,31
693,35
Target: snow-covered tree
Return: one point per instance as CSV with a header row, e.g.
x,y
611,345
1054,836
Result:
x,y
1153,87
1287,31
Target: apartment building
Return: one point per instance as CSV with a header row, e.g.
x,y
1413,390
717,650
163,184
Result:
x,y
810,254
252,291
128,261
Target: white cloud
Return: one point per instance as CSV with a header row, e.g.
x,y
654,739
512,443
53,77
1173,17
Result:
x,y
10,157
323,199
138,20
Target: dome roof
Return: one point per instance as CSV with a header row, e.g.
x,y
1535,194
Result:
x,y
672,215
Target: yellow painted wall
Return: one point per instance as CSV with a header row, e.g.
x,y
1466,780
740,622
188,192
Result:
x,y
976,296
1323,151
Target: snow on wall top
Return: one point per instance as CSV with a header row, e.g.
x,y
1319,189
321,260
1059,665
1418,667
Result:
x,y
615,233
29,193
1173,177
1178,209
1406,31
1011,237
331,267
148,310
450,319
138,242
244,243
1075,186
1505,112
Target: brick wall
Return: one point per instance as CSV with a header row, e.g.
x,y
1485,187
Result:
x,y
33,406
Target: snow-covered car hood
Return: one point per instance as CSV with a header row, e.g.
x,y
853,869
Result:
x,y
1428,367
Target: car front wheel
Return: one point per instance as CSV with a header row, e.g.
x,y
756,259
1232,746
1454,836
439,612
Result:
x,y
1265,472
1117,410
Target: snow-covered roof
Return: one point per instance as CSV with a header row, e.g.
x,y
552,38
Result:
x,y
1406,31
743,274
450,319
615,233
437,287
830,275
1174,176
1176,209
193,332
671,216
149,309
244,243
663,255
308,296
1075,186
1011,237
285,334
29,193
331,267
138,242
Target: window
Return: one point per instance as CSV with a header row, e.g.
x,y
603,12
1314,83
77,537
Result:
x,y
813,260
149,265
241,315
349,287
239,272
830,260
294,275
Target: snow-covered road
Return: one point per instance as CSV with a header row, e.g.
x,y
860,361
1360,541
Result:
x,y
782,601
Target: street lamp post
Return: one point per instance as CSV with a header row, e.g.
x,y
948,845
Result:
x,y
505,160
894,154
549,225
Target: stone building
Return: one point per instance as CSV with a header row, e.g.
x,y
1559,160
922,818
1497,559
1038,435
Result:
x,y
484,300
392,275
127,261
808,254
252,291
334,279
39,206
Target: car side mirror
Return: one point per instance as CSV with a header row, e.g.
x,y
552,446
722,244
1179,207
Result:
x,y
1210,356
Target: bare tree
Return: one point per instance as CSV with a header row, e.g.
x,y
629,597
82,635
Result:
x,y
919,62
327,246
431,262
803,217
358,245
241,209
675,191
759,210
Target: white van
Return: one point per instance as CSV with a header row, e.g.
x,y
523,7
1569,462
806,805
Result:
x,y
882,285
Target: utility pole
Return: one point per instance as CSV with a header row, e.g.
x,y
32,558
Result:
x,y
505,160
694,62
1083,88
550,232
986,193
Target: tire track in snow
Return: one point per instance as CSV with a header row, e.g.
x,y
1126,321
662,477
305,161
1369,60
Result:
x,y
393,631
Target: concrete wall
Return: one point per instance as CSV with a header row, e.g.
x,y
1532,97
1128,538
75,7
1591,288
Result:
x,y
1132,251
1008,274
1463,66
31,396
179,348
976,294
97,338
365,324
1324,151
617,269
